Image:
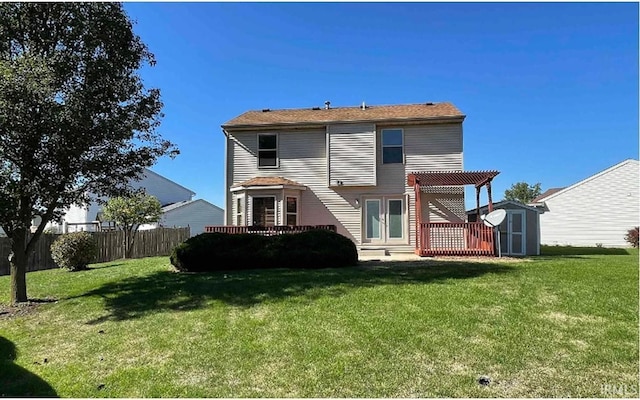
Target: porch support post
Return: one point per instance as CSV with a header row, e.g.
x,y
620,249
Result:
x,y
489,194
478,203
416,189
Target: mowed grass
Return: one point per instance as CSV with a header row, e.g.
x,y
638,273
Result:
x,y
550,326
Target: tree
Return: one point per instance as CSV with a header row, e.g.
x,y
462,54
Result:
x,y
129,213
522,192
75,118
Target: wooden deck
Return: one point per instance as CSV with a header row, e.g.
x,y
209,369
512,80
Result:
x,y
267,230
455,239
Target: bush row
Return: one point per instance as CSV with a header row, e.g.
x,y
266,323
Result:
x,y
221,251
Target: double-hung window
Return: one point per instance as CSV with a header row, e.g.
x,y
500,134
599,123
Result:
x,y
392,146
292,211
267,150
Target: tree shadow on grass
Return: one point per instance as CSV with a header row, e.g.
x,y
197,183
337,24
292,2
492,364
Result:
x,y
16,381
170,291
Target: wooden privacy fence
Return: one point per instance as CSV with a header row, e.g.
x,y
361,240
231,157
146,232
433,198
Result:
x,y
149,243
267,230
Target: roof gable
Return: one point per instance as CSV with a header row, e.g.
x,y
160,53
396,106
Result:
x,y
591,178
319,116
147,172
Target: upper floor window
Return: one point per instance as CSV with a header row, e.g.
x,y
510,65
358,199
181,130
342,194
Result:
x,y
392,146
267,150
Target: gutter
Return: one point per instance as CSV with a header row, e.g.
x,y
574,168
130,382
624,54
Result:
x,y
226,175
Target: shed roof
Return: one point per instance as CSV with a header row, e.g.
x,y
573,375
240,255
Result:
x,y
502,204
451,178
319,116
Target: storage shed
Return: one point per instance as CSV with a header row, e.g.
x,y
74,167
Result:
x,y
520,230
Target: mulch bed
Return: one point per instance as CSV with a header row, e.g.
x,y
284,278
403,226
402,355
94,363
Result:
x,y
22,309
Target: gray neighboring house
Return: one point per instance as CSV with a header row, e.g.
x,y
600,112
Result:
x,y
520,230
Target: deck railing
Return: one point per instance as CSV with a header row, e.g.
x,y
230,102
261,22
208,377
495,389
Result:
x,y
456,239
267,230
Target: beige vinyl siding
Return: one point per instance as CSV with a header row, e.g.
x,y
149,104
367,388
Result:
x,y
436,147
596,210
303,158
352,155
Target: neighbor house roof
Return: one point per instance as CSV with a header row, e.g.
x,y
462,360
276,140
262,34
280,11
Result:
x,y
267,181
320,116
547,193
180,204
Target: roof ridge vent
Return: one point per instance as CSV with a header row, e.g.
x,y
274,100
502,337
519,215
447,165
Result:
x,y
266,110
428,104
315,108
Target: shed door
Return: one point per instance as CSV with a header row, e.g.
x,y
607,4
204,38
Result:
x,y
516,241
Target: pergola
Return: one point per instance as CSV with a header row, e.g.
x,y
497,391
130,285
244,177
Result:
x,y
421,180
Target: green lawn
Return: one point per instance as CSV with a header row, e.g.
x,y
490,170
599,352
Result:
x,y
553,326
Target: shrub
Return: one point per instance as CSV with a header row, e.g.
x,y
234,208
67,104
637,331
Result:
x,y
632,236
74,251
220,251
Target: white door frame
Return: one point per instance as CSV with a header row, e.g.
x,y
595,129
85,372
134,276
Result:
x,y
383,220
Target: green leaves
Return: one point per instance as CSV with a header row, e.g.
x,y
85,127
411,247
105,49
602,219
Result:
x,y
76,121
522,192
135,210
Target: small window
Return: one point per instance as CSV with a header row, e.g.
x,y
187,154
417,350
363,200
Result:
x,y
292,211
267,150
239,211
392,146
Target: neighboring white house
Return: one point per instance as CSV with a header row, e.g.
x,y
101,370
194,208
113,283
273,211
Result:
x,y
598,210
345,166
193,213
179,209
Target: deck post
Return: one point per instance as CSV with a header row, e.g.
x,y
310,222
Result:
x,y
478,203
419,244
489,194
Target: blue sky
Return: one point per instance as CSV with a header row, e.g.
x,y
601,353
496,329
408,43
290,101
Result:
x,y
550,90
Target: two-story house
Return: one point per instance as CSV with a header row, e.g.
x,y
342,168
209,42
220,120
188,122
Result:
x,y
349,167
179,209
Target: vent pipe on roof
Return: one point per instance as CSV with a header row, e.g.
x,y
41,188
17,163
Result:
x,y
364,106
327,105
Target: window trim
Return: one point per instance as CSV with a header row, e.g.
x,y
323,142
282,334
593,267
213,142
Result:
x,y
259,150
275,207
287,213
383,146
240,201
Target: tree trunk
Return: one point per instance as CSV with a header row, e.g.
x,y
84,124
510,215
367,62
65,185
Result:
x,y
18,261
